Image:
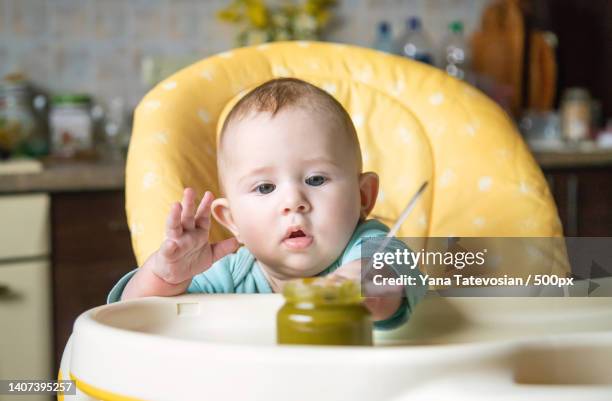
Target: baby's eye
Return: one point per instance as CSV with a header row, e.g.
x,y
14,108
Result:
x,y
316,180
265,188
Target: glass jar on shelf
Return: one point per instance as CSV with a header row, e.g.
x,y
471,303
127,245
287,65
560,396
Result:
x,y
20,130
575,115
115,130
71,125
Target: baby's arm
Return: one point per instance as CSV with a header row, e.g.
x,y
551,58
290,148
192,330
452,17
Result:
x,y
184,253
381,307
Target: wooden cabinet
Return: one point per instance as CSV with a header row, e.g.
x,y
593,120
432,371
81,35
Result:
x,y
584,199
91,250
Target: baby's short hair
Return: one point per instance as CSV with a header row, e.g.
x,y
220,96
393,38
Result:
x,y
277,94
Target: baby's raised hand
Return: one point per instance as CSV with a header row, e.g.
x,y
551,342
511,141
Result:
x,y
186,251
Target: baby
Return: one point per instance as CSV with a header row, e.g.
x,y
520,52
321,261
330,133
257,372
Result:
x,y
294,194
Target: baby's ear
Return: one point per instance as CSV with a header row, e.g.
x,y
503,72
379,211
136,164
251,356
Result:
x,y
368,191
221,212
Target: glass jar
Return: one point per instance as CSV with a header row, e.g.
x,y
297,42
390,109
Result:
x,y
18,123
575,114
71,125
323,311
116,138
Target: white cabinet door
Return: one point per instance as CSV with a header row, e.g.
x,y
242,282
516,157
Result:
x,y
24,225
25,316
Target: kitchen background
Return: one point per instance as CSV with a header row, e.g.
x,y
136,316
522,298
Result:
x,y
97,58
101,47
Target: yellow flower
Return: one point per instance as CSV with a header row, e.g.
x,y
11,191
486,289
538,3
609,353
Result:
x,y
285,19
323,17
311,7
257,14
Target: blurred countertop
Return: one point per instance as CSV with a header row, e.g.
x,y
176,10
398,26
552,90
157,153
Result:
x,y
61,175
101,175
573,158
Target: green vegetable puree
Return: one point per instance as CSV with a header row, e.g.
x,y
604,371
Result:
x,y
323,311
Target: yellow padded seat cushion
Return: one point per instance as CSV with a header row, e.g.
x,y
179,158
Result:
x,y
414,122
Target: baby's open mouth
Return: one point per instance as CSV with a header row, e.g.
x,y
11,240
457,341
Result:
x,y
297,239
297,234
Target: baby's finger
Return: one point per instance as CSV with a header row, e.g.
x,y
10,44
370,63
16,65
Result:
x,y
382,307
174,229
349,271
373,304
188,214
202,216
168,249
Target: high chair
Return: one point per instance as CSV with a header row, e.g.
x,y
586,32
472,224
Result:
x,y
415,124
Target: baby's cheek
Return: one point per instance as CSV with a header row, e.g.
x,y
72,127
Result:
x,y
253,229
250,223
341,220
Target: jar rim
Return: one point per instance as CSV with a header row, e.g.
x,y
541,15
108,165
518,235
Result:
x,y
323,291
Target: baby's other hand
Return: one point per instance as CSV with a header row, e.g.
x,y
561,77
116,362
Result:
x,y
186,251
382,301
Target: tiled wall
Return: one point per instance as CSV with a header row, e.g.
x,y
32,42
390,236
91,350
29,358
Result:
x,y
97,46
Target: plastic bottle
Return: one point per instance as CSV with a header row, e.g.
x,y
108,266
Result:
x,y
384,38
454,54
414,43
575,114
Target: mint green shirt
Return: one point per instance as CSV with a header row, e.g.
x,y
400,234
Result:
x,y
240,273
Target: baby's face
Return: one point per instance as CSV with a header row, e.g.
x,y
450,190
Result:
x,y
292,186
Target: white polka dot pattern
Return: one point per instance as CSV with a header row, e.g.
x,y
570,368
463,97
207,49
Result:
x,y
207,74
136,229
404,134
436,99
330,88
149,180
358,120
161,137
204,116
151,105
170,85
447,178
280,71
485,183
479,222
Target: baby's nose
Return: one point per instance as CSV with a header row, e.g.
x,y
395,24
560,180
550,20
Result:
x,y
299,208
296,203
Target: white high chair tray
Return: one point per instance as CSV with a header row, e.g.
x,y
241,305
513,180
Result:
x,y
222,347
